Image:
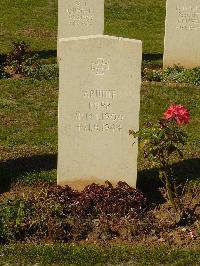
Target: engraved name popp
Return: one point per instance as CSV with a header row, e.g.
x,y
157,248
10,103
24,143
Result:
x,y
80,14
188,17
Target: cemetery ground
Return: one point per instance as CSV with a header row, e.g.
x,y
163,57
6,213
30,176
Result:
x,y
28,168
28,152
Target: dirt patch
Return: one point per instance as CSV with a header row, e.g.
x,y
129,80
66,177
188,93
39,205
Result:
x,y
155,226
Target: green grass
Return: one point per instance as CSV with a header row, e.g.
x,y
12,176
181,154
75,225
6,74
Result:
x,y
28,111
36,23
59,254
137,19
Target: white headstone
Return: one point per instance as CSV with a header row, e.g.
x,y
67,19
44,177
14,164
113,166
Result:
x,y
80,18
182,36
99,100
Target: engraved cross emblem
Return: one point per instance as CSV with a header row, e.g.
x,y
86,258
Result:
x,y
100,67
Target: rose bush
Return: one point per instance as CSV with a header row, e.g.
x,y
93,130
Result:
x,y
160,143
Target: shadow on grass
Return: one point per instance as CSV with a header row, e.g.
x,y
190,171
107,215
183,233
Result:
x,y
152,57
45,54
2,58
13,170
149,183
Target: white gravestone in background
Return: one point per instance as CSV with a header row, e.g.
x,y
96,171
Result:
x,y
99,100
182,33
80,18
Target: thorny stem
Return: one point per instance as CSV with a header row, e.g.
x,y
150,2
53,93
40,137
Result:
x,y
170,193
167,174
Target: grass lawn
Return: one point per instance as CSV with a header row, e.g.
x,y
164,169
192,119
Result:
x,y
35,22
28,136
28,128
59,254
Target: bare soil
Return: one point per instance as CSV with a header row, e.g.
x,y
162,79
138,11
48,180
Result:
x,y
157,226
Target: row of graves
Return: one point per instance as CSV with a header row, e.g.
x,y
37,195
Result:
x,y
99,89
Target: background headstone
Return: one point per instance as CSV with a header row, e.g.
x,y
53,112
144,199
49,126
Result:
x,y
80,18
99,99
182,36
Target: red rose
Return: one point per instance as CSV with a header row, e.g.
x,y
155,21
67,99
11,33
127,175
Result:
x,y
170,113
179,113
